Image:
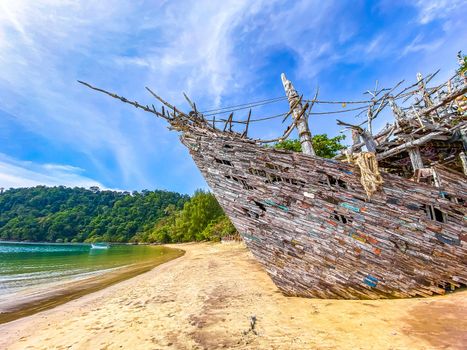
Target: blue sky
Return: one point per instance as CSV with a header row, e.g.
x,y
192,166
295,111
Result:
x,y
54,131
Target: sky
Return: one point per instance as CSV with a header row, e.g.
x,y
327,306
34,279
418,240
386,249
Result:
x,y
54,131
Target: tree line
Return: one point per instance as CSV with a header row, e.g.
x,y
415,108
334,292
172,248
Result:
x,y
62,214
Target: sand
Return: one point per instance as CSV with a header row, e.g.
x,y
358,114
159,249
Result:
x,y
204,300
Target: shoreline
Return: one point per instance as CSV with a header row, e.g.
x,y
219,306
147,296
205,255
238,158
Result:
x,y
74,289
205,299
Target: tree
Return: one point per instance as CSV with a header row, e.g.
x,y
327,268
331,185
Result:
x,y
323,145
201,218
219,228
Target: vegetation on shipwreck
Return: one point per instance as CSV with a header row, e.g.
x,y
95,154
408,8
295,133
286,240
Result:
x,y
324,146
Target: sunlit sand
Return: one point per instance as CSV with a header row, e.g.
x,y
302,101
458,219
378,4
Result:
x,y
205,300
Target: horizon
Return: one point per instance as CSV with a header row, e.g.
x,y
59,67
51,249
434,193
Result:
x,y
54,131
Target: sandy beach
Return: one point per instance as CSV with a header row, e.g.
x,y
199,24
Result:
x,y
204,300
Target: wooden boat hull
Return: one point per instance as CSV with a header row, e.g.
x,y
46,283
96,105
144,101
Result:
x,y
308,222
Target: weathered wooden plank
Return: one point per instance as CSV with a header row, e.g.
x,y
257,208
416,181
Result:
x,y
307,221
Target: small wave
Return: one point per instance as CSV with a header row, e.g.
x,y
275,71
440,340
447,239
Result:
x,y
40,282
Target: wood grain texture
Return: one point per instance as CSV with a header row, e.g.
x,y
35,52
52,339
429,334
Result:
x,y
308,222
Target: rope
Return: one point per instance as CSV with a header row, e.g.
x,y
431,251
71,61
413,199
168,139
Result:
x,y
342,111
244,105
229,109
251,120
285,113
267,101
461,102
339,102
370,177
404,94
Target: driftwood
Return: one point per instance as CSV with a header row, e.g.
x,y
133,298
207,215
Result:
x,y
245,133
306,219
415,143
123,99
298,111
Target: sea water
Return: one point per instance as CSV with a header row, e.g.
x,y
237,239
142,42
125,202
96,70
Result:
x,y
24,267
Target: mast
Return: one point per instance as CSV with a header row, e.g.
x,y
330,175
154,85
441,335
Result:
x,y
299,117
414,152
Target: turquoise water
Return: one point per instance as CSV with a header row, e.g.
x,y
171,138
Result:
x,y
24,266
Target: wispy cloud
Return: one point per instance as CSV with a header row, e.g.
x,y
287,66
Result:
x,y
16,173
430,10
218,52
57,42
40,82
418,44
196,52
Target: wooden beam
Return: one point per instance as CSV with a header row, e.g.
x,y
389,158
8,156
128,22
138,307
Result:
x,y
370,143
228,121
125,100
245,133
419,142
369,115
298,114
396,110
463,158
447,99
368,139
423,92
410,144
415,158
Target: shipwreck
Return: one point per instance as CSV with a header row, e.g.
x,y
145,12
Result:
x,y
386,218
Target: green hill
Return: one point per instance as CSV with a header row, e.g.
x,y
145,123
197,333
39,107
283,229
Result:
x,y
61,214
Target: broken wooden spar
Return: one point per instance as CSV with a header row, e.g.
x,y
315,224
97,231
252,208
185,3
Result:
x,y
414,152
299,116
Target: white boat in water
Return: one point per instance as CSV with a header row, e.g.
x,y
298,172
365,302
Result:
x,y
100,246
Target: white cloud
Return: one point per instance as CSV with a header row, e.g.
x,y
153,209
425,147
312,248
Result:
x,y
196,54
16,173
48,44
430,10
418,44
211,50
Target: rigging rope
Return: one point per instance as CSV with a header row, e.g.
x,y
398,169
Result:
x,y
251,120
337,112
370,177
285,113
230,109
245,105
338,102
237,109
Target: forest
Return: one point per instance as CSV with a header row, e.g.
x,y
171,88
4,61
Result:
x,y
61,214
